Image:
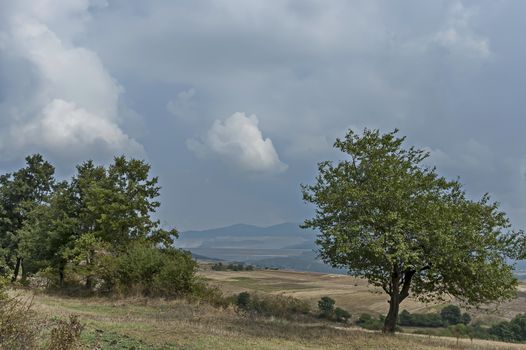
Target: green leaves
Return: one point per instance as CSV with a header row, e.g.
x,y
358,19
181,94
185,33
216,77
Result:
x,y
387,217
101,210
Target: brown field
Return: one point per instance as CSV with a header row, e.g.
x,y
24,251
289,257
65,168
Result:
x,y
349,293
142,323
155,324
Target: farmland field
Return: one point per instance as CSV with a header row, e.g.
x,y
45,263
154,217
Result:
x,y
350,293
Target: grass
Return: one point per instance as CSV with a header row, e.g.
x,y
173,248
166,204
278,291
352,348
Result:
x,y
142,323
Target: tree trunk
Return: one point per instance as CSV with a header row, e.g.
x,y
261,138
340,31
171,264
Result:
x,y
17,268
397,294
61,276
392,315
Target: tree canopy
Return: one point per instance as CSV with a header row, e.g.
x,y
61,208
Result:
x,y
20,193
88,225
387,217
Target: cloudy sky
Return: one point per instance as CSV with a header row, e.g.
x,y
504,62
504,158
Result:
x,y
234,102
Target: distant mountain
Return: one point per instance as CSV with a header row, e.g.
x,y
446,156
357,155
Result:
x,y
284,246
247,237
243,230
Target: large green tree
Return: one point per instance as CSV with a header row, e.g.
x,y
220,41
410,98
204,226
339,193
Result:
x,y
99,212
20,193
387,217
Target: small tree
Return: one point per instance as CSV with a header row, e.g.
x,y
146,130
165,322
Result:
x,y
465,319
387,217
326,306
451,315
243,300
341,315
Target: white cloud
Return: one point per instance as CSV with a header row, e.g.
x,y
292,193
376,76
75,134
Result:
x,y
65,129
239,140
72,109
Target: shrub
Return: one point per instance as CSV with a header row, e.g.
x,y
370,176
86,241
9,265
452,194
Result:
x,y
326,307
19,326
66,335
271,305
514,330
232,267
341,315
465,319
419,320
152,271
451,315
369,322
211,295
243,300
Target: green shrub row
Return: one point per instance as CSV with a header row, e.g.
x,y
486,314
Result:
x,y
271,305
232,267
449,315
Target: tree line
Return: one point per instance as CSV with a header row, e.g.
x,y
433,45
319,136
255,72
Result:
x,y
94,231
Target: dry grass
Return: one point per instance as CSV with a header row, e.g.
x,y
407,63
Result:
x,y
158,324
350,293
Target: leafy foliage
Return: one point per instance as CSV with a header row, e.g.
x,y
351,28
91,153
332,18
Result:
x,y
96,230
451,314
387,217
420,320
20,193
271,305
341,315
367,321
513,331
232,267
326,306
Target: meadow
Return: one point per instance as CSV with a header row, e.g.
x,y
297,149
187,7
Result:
x,y
159,324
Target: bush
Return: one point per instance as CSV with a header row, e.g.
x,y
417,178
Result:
x,y
19,326
419,320
514,330
369,322
451,315
271,305
459,331
211,295
341,315
66,335
326,307
243,300
151,271
465,319
232,267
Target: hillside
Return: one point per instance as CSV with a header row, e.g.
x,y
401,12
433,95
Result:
x,y
155,324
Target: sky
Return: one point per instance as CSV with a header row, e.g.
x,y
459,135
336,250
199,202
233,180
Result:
x,y
233,103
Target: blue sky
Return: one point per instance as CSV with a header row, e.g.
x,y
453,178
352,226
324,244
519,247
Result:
x,y
234,102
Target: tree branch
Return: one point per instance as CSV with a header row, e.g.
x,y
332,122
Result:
x,y
408,275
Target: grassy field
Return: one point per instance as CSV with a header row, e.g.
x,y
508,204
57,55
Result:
x,y
157,324
349,293
143,323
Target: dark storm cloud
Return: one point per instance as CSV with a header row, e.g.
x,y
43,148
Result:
x,y
447,73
